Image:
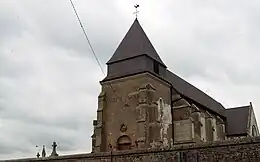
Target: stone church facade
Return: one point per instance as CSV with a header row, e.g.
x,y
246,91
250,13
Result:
x,y
144,105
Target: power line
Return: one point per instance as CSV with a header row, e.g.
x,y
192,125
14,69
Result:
x,y
92,49
86,36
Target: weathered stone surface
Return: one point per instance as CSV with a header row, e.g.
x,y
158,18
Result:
x,y
183,131
247,150
144,106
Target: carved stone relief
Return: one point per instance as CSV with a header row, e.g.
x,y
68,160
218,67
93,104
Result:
x,y
123,128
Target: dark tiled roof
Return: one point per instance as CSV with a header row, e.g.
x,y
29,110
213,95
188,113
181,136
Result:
x,y
135,43
193,93
237,119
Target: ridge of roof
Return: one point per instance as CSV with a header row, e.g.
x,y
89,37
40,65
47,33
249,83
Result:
x,y
238,107
135,43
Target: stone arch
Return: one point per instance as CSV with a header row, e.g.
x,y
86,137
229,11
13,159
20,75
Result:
x,y
124,143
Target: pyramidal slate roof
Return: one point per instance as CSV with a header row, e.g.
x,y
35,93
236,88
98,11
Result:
x,y
135,43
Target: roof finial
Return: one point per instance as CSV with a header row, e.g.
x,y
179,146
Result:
x,y
136,11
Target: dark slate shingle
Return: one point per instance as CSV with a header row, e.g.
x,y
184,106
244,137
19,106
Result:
x,y
193,93
135,43
237,119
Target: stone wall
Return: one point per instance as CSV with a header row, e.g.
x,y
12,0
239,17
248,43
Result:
x,y
140,117
252,123
226,151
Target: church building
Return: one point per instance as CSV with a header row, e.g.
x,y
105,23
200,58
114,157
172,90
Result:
x,y
144,105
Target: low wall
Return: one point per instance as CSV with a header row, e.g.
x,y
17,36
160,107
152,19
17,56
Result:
x,y
247,150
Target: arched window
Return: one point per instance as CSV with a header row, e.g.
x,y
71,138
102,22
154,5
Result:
x,y
254,131
124,143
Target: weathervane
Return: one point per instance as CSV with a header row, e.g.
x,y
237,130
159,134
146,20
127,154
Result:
x,y
136,11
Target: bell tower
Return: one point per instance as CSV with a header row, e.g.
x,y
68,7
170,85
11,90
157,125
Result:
x,y
134,109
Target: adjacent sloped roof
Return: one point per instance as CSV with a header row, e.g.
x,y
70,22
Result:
x,y
237,119
193,93
135,43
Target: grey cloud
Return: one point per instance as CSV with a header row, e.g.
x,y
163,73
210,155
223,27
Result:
x,y
217,38
59,26
6,148
39,135
11,24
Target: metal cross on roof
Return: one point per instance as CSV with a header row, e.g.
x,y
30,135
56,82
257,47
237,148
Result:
x,y
136,11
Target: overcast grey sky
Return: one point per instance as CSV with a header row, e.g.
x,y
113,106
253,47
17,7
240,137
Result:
x,y
49,80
